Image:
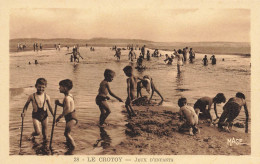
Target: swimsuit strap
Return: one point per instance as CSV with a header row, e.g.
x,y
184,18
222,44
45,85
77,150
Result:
x,y
37,103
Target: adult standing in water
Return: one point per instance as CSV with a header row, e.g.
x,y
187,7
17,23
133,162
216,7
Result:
x,y
185,52
131,54
143,51
59,46
192,55
34,46
179,60
148,55
213,60
118,54
205,60
40,47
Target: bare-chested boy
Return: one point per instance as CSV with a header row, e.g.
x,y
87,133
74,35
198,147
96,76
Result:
x,y
68,110
188,113
131,89
39,114
231,110
204,104
101,98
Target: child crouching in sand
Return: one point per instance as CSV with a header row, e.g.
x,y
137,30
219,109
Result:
x,y
68,110
39,114
101,98
188,113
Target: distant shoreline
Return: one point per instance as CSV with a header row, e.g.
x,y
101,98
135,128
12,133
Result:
x,y
236,48
12,50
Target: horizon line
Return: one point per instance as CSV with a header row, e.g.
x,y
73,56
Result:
x,y
136,39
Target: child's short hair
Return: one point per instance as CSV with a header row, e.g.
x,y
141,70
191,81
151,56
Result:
x,y
109,73
240,95
182,101
66,83
128,69
41,81
219,98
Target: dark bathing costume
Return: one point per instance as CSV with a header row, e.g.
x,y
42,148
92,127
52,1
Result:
x,y
201,105
99,99
41,114
71,116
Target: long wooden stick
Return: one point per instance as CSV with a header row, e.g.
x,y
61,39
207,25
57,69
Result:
x,y
53,123
21,133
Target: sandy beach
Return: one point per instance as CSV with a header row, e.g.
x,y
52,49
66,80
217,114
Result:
x,y
154,132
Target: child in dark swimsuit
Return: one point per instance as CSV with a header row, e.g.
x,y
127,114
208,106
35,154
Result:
x,y
101,98
68,110
231,110
203,105
39,114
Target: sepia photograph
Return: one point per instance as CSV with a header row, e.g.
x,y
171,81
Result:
x,y
130,83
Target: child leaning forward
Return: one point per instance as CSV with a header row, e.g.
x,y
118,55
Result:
x,y
68,110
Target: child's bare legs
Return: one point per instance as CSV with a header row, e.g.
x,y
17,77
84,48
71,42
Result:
x,y
128,106
105,111
232,115
178,68
222,119
36,125
44,128
131,109
68,129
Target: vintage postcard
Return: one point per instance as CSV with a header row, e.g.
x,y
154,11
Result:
x,y
130,81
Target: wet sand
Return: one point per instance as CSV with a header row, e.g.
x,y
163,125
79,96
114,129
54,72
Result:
x,y
154,132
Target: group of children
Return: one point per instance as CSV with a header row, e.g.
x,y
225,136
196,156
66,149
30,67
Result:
x,y
202,109
134,86
40,101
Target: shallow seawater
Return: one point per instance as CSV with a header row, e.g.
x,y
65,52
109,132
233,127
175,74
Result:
x,y
228,76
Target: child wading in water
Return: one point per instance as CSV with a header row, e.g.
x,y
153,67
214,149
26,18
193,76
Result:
x,y
101,98
190,116
68,110
231,110
131,89
39,113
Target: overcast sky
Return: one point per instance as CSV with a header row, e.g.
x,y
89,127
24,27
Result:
x,y
169,25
